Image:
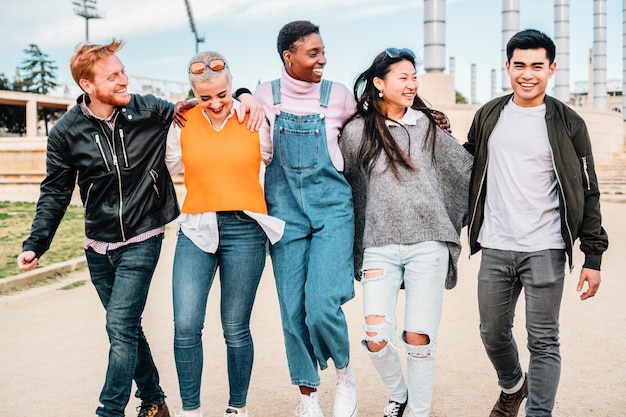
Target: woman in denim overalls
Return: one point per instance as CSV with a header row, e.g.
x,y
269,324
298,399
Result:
x,y
313,262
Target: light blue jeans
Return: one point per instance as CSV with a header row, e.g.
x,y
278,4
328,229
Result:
x,y
501,277
423,268
241,258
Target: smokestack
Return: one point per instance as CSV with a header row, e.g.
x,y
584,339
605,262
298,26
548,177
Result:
x,y
473,89
437,87
561,40
510,26
599,54
434,35
493,81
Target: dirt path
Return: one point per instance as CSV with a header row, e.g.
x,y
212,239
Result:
x,y
53,348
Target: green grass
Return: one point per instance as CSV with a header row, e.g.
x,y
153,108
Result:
x,y
15,222
73,285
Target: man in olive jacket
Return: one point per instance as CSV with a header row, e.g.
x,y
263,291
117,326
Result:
x,y
533,192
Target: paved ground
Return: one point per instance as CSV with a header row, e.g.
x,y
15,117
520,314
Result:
x,y
53,348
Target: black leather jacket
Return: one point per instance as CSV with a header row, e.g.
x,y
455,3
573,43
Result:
x,y
579,196
124,184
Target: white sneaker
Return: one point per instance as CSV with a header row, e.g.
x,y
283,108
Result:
x,y
345,393
234,412
187,413
310,406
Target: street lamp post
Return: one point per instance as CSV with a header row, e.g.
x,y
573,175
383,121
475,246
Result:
x,y
192,23
87,10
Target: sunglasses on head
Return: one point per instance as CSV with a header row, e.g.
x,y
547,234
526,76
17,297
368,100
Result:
x,y
200,66
397,52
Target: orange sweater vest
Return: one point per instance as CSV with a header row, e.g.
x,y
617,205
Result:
x,y
221,168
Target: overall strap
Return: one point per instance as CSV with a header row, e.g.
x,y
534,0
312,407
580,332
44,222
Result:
x,y
325,92
276,91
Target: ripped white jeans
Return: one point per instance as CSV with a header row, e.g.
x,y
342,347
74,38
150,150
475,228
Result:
x,y
423,268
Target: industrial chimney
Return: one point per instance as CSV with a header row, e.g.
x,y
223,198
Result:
x,y
434,35
561,39
510,26
436,87
599,54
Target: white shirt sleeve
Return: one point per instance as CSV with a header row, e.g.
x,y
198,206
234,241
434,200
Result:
x,y
173,151
266,142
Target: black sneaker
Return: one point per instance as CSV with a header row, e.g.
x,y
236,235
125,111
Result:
x,y
153,410
394,409
233,412
508,404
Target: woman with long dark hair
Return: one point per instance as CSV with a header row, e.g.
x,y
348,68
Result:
x,y
409,184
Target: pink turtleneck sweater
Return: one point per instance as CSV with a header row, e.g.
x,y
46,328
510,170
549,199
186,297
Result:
x,y
303,97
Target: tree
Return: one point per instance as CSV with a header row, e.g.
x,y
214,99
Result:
x,y
38,71
460,98
38,76
5,84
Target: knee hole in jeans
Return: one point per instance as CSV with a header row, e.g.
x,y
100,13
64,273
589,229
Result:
x,y
373,273
374,325
418,344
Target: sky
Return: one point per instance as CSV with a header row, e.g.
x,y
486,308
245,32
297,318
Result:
x,y
159,42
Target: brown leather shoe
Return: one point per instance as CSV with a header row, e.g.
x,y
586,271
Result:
x,y
153,410
508,404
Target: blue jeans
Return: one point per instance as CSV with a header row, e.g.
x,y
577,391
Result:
x,y
122,278
241,259
423,268
312,262
313,279
501,278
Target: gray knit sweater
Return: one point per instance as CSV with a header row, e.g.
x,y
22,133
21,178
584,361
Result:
x,y
425,205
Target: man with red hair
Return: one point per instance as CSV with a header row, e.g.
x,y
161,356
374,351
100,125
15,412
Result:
x,y
113,144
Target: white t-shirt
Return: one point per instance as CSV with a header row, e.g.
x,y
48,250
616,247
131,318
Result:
x,y
521,206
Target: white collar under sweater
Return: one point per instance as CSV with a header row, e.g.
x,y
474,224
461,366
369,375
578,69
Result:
x,y
409,119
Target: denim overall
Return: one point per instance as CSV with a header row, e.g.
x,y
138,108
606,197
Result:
x,y
313,263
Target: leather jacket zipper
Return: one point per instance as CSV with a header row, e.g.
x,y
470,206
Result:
x,y
99,143
111,143
88,195
154,176
121,132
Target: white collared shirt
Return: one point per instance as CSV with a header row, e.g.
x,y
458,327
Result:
x,y
409,119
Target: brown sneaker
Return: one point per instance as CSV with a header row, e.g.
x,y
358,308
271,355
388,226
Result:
x,y
153,410
508,404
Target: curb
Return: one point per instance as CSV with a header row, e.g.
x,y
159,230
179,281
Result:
x,y
21,281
